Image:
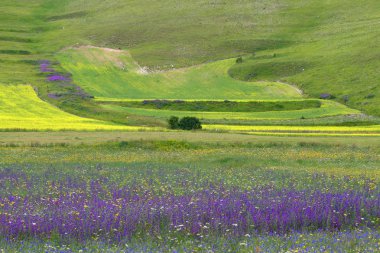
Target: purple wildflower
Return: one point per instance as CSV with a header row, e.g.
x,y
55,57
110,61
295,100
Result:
x,y
57,77
45,66
81,210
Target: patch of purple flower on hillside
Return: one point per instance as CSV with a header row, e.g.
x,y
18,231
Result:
x,y
57,78
62,83
45,66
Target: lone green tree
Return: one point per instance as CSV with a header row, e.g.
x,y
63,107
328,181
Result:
x,y
173,122
190,123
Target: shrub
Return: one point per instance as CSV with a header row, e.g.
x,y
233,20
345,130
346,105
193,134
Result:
x,y
190,123
239,60
173,122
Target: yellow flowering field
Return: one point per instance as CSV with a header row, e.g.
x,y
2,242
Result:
x,y
373,130
20,108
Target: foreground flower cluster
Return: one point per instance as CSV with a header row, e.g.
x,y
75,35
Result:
x,y
83,210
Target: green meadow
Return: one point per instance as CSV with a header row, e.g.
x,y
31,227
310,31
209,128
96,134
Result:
x,y
93,67
327,109
328,165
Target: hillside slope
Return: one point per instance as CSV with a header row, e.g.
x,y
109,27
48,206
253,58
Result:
x,y
320,46
114,74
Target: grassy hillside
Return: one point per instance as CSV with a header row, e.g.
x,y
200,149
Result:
x,y
321,46
315,45
115,74
114,78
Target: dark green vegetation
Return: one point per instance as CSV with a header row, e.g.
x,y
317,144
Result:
x,y
173,122
186,123
222,106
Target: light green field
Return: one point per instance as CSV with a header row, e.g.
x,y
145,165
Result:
x,y
21,109
111,74
328,108
99,137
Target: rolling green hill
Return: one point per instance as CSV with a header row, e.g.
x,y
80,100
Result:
x,y
321,46
187,50
114,74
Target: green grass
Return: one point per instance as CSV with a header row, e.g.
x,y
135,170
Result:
x,y
92,68
328,108
75,138
137,161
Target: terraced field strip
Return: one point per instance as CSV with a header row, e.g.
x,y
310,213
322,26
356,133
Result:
x,y
300,130
328,108
19,41
98,137
21,109
107,99
221,106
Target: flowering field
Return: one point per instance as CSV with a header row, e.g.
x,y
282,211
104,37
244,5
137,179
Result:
x,y
288,159
186,197
373,130
20,108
